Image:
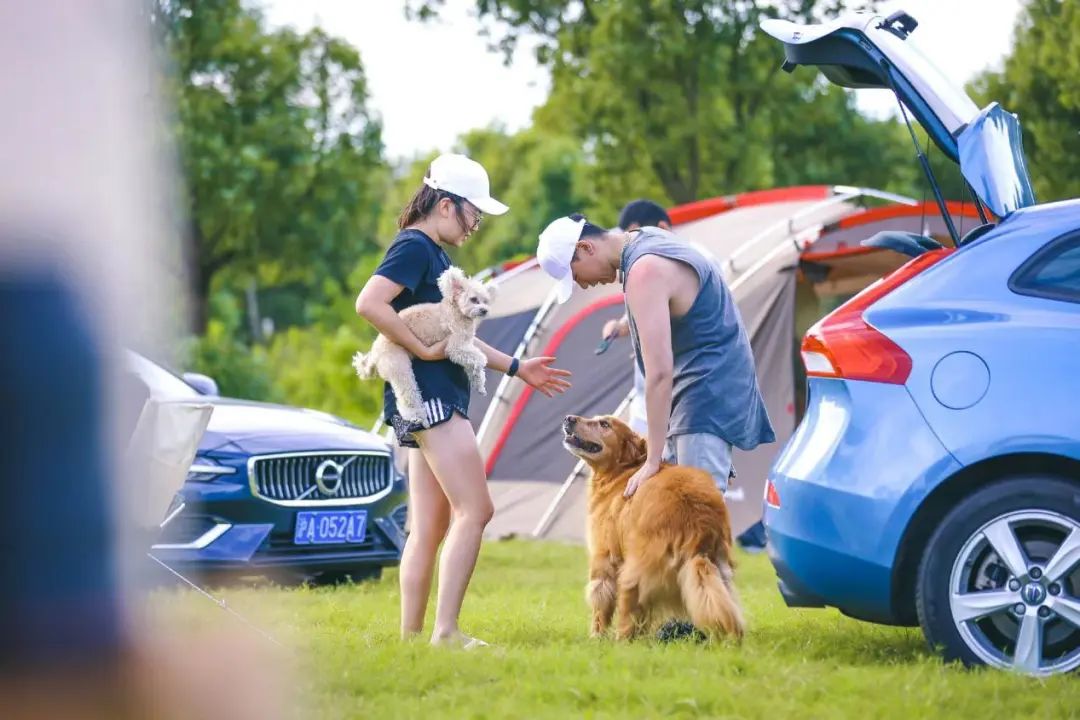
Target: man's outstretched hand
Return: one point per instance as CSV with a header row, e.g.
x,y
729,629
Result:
x,y
538,374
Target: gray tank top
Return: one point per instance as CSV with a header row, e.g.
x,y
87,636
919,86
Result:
x,y
715,388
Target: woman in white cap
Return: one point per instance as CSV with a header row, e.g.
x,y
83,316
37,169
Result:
x,y
446,472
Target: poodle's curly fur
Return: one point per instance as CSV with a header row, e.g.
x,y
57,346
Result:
x,y
465,301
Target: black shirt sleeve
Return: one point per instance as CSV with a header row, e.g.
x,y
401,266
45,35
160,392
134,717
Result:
x,y
407,261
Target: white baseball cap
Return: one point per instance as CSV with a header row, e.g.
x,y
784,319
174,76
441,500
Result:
x,y
465,178
555,251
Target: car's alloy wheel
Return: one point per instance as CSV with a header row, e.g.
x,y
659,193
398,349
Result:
x,y
1000,582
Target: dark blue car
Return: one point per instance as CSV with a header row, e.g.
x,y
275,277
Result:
x,y
284,492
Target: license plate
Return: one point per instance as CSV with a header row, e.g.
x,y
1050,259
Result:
x,y
330,526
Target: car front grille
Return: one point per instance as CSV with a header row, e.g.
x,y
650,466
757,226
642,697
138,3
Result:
x,y
346,478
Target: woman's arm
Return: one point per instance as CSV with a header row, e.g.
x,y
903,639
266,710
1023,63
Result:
x,y
496,360
373,304
534,371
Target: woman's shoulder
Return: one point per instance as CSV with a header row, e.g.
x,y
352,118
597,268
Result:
x,y
412,236
413,259
412,244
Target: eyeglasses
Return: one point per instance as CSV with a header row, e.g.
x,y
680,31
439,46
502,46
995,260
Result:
x,y
477,216
468,215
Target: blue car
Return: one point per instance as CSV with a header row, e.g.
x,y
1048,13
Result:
x,y
293,494
935,477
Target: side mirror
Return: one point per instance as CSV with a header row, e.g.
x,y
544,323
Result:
x,y
205,384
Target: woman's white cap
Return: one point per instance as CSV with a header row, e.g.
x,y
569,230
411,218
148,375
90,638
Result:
x,y
465,178
555,251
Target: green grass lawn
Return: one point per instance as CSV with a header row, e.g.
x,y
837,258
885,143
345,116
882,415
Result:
x,y
528,600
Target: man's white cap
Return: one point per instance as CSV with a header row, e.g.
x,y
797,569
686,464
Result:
x,y
556,250
465,178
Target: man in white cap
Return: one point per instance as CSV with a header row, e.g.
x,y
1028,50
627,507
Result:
x,y
701,391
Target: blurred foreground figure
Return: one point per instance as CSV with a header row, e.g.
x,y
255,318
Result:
x,y
84,232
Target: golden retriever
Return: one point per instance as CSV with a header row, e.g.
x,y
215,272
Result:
x,y
664,552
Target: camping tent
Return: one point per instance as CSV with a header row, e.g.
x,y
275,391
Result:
x,y
786,254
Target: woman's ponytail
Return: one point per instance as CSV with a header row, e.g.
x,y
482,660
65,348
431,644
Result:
x,y
423,200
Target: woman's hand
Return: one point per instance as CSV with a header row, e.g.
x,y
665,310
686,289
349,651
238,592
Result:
x,y
437,351
646,471
537,373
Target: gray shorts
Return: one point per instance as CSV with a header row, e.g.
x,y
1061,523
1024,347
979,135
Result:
x,y
701,450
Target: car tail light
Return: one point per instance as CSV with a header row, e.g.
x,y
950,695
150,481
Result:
x,y
843,345
772,498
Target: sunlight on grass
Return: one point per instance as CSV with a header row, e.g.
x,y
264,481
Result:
x,y
528,600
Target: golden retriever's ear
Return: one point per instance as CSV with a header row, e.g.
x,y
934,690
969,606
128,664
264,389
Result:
x,y
634,450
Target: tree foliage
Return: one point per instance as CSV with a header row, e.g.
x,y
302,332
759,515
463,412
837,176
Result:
x,y
1040,82
676,100
312,366
281,155
685,99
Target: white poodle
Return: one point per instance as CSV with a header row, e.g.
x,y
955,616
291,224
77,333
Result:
x,y
465,301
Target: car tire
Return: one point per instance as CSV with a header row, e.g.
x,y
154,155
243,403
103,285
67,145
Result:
x,y
975,608
344,577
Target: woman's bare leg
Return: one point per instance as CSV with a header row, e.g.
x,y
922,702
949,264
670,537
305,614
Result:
x,y
453,456
429,516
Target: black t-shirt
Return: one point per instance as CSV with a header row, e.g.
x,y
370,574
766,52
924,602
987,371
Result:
x,y
415,261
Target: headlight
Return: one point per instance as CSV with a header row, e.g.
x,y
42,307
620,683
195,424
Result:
x,y
206,469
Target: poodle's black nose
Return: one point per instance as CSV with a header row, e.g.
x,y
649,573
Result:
x,y
482,312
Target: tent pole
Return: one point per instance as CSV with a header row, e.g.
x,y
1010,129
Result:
x,y
522,268
542,526
549,514
220,603
504,383
843,194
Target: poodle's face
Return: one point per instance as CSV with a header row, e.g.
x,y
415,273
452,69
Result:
x,y
469,297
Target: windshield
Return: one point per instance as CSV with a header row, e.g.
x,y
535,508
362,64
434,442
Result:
x,y
161,383
992,161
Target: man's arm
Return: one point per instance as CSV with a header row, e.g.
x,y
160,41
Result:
x,y
648,294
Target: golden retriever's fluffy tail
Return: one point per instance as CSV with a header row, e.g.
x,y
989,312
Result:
x,y
708,600
364,364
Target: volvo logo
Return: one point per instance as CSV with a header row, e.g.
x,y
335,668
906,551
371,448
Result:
x,y
328,477
1033,593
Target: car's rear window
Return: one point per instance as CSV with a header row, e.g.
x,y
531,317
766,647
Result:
x,y
1053,272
